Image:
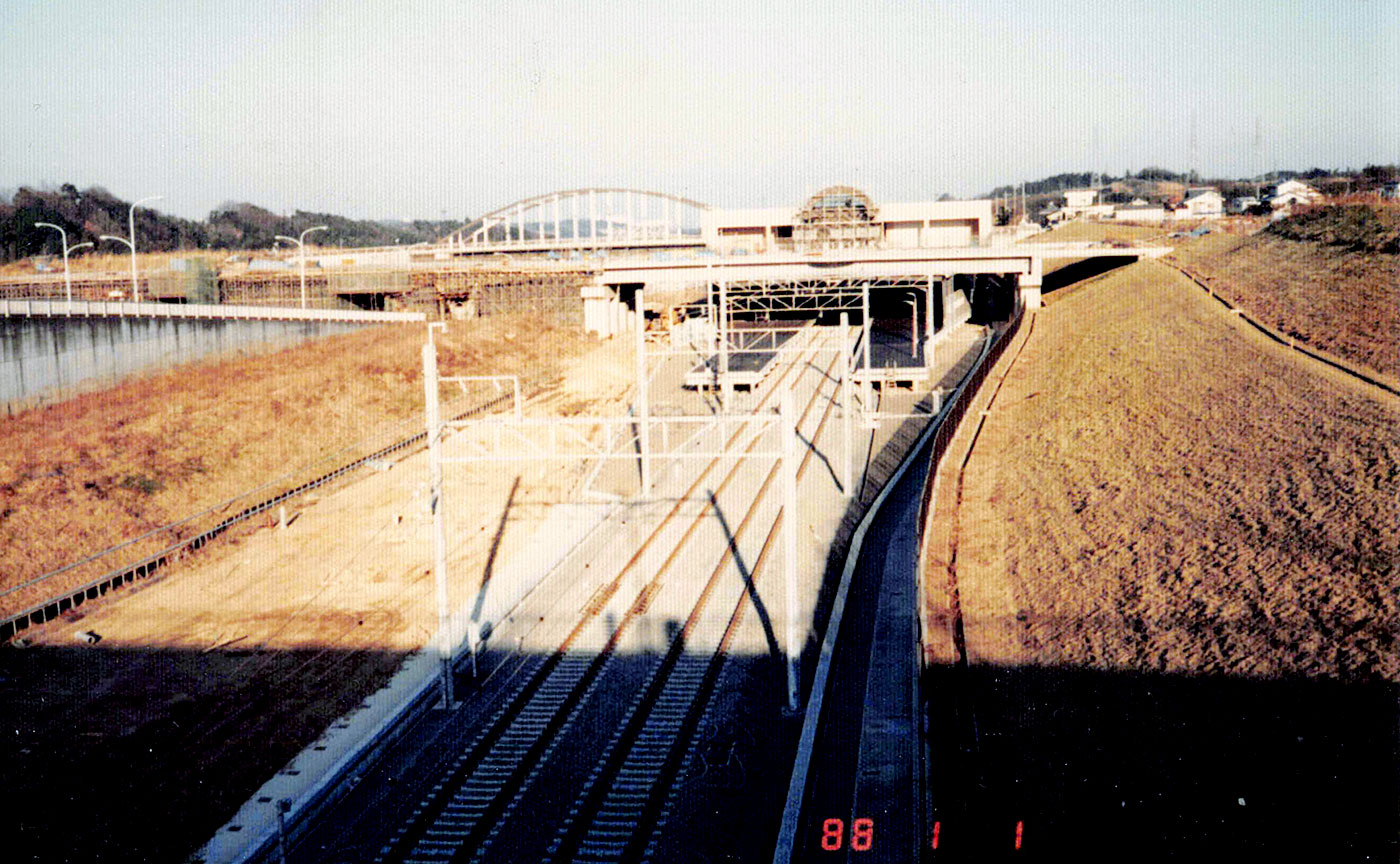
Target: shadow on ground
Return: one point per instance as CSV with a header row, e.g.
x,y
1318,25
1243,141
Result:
x,y
1079,271
136,754
1100,765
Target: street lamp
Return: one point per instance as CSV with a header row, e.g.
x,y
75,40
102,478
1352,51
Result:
x,y
301,250
67,279
131,244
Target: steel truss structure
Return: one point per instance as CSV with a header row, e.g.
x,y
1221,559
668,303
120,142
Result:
x,y
497,290
584,219
820,294
838,217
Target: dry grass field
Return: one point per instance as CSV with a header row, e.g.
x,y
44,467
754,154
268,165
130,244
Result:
x,y
1163,601
1160,490
104,467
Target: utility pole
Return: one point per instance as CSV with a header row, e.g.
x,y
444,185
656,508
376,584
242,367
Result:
x,y
788,429
643,406
435,502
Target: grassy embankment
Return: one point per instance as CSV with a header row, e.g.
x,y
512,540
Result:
x,y
104,467
1100,232
1161,490
1328,278
1165,588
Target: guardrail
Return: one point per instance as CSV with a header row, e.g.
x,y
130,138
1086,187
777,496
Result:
x,y
124,309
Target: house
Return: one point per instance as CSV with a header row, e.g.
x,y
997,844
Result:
x,y
1078,199
1203,203
1291,192
1391,191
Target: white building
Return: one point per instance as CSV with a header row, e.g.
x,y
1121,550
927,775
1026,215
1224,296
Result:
x,y
845,218
1153,214
1078,199
1203,203
1291,192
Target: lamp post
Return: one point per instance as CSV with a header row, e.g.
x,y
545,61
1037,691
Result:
x,y
132,247
67,279
301,250
131,229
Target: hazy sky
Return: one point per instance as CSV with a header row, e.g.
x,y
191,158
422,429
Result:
x,y
447,110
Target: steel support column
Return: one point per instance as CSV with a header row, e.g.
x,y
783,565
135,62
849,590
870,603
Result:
x,y
724,386
847,414
643,403
865,322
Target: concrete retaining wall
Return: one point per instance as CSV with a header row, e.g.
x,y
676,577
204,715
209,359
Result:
x,y
43,359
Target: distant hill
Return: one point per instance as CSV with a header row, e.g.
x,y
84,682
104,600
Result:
x,y
85,214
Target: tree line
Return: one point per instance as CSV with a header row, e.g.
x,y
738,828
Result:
x,y
85,214
1370,177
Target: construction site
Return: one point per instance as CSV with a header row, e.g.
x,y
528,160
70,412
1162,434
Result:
x,y
673,533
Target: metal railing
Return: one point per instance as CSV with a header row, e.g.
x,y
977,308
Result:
x,y
106,308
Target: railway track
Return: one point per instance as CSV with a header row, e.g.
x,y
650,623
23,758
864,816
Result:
x,y
463,815
615,816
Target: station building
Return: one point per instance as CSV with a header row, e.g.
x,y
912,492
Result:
x,y
842,217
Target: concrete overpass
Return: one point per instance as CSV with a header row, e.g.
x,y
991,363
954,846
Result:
x,y
676,248
810,276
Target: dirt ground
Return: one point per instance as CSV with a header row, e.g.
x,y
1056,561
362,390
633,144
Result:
x,y
208,680
1163,600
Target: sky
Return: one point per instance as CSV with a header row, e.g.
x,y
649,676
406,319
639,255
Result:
x,y
398,109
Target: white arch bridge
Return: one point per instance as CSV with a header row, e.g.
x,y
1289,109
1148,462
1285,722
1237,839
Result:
x,y
584,219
